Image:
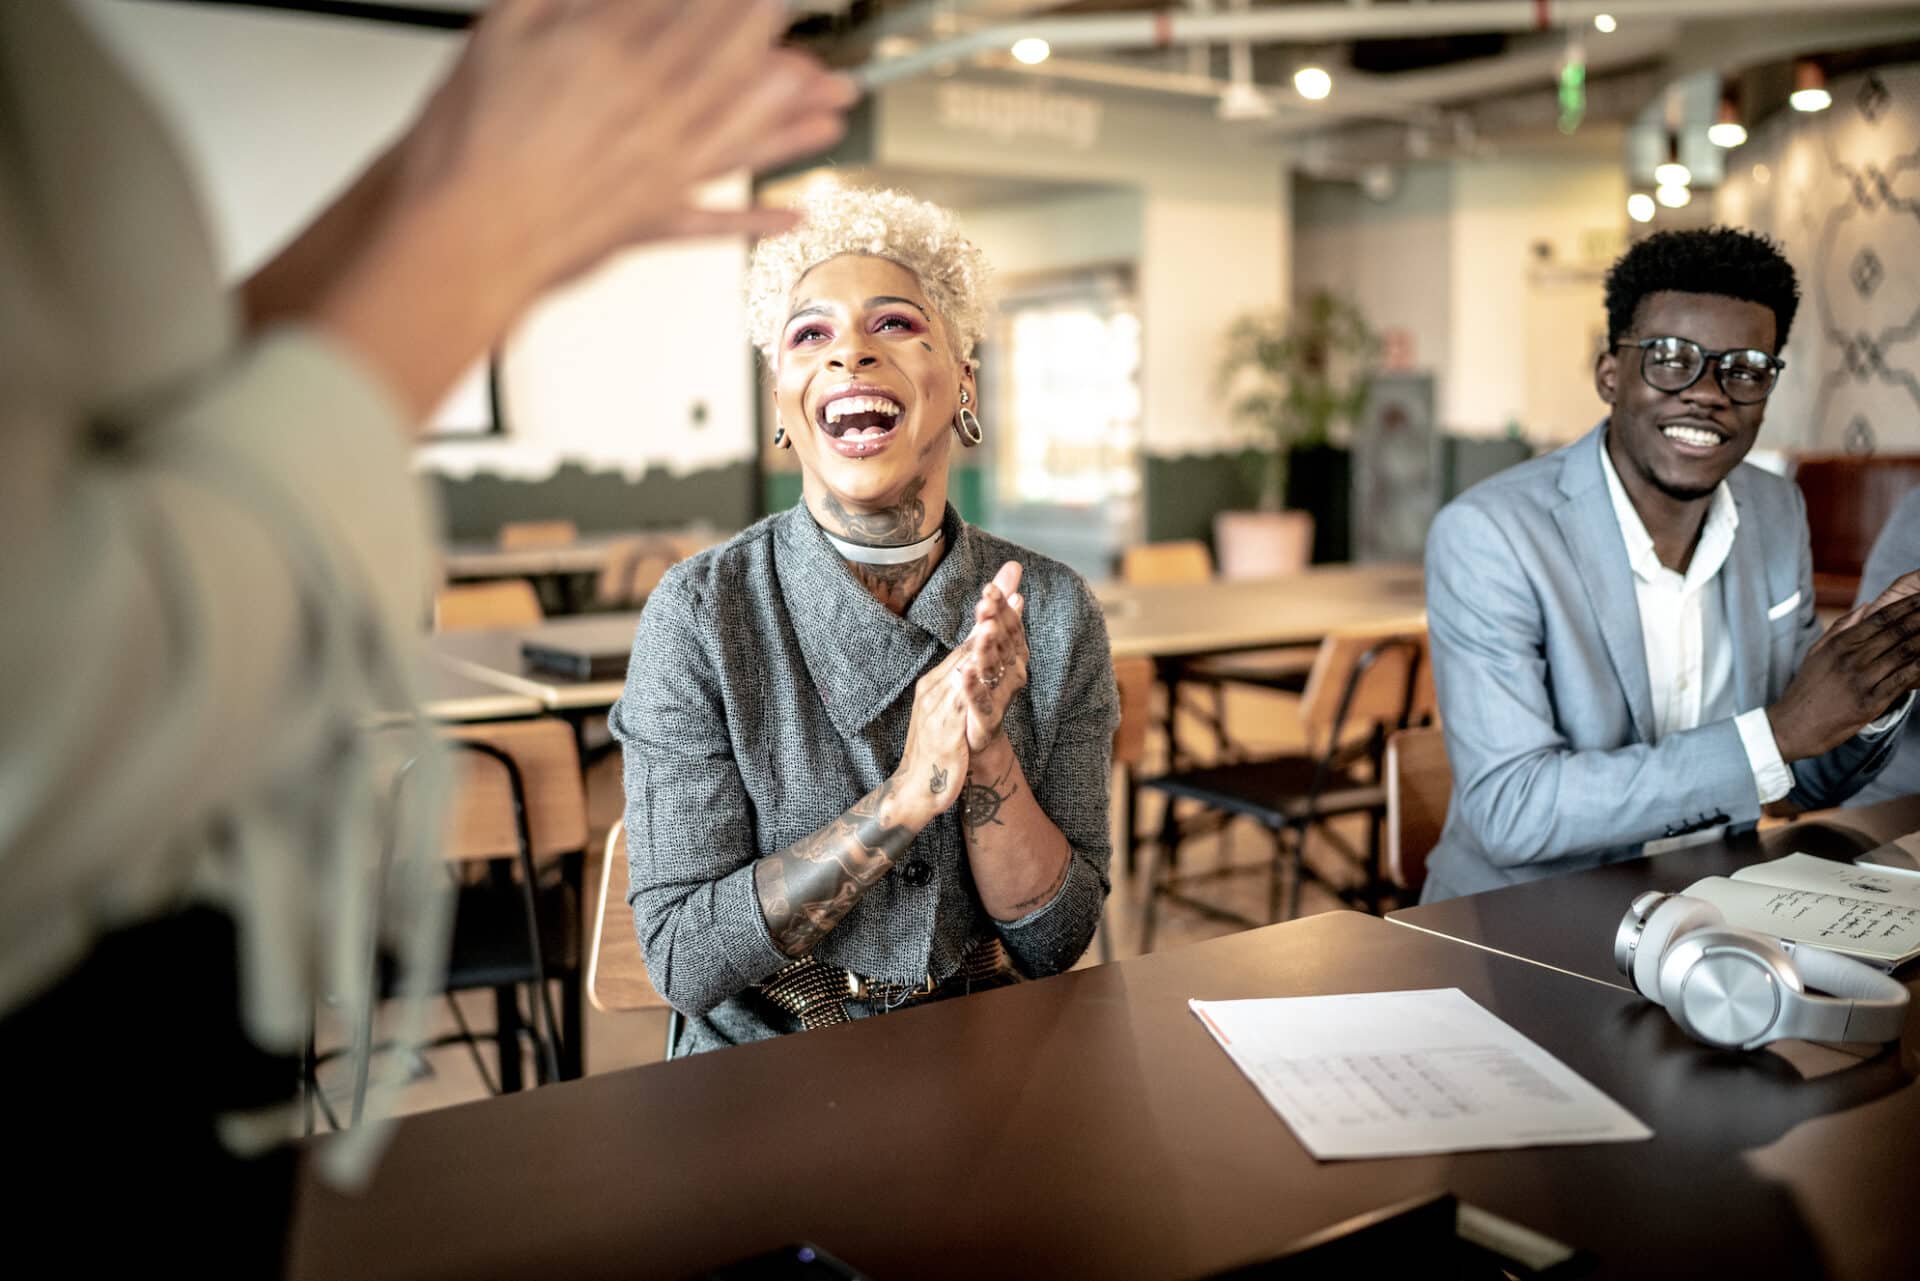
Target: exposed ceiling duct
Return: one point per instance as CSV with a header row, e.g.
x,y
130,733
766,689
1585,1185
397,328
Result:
x,y
1324,23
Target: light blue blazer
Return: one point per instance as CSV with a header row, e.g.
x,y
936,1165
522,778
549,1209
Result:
x,y
1542,676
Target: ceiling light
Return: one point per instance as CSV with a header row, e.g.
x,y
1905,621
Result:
x,y
1673,197
1640,207
1672,173
1727,131
1809,87
1605,25
1243,102
1313,82
1033,50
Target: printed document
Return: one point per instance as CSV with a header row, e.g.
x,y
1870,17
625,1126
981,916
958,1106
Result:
x,y
1398,1073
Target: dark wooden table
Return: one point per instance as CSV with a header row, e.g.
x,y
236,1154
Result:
x,y
1568,922
1086,1126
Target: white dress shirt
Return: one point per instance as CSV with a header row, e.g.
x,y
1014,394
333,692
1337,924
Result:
x,y
1683,629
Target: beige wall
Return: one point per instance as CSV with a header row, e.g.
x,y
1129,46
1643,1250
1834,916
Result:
x,y
1516,317
1214,214
1453,258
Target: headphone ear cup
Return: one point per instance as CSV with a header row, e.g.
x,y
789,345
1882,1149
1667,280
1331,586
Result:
x,y
1677,916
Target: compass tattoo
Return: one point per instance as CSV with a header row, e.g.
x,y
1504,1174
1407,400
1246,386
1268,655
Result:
x,y
980,803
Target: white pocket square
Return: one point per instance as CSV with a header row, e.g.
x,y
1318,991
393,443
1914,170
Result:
x,y
1784,608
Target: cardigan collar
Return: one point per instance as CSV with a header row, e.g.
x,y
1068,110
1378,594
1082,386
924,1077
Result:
x,y
861,655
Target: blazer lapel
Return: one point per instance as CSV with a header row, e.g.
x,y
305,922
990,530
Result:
x,y
1595,549
1743,581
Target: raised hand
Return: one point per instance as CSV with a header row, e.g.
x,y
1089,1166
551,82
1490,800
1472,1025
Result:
x,y
995,666
567,130
1864,664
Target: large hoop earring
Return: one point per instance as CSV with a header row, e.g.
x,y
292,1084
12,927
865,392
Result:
x,y
967,427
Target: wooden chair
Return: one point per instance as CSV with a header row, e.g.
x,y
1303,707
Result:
x,y
1419,788
533,535
1281,669
617,979
514,844
520,814
505,602
633,568
1180,560
1364,683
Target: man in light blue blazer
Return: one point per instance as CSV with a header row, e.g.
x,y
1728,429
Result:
x,y
1623,631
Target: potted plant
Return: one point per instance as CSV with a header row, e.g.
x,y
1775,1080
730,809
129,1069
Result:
x,y
1295,379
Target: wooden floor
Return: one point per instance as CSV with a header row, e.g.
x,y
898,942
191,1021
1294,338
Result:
x,y
1257,719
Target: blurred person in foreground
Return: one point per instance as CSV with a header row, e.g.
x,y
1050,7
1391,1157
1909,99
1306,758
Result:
x,y
216,559
866,742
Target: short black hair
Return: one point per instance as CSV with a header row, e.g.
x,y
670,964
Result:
x,y
1708,260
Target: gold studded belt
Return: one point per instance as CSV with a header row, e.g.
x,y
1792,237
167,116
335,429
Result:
x,y
818,994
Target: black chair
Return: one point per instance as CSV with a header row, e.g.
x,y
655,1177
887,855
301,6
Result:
x,y
1363,685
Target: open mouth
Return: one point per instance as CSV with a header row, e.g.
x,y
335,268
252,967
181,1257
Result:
x,y
1693,438
859,421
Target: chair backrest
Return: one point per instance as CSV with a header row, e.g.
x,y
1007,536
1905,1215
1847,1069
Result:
x,y
1134,676
1849,498
1181,560
1363,677
617,979
506,602
530,535
1419,786
634,567
485,819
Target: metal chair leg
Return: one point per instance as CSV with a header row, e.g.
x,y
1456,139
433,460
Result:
x,y
506,1032
1166,849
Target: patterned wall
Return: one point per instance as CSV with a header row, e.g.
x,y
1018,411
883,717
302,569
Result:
x,y
1841,190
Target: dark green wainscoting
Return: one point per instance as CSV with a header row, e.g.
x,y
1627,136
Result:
x,y
602,501
1183,491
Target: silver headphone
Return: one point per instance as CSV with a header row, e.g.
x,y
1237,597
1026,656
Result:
x,y
1733,988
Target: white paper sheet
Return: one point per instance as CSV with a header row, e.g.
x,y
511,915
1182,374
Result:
x,y
1398,1073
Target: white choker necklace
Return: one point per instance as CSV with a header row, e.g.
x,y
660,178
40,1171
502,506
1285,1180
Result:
x,y
869,555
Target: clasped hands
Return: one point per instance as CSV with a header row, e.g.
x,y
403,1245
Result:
x,y
960,706
1854,674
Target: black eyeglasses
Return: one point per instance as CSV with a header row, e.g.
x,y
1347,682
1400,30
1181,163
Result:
x,y
1674,364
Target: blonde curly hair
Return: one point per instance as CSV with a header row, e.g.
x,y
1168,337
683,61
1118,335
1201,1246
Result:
x,y
922,237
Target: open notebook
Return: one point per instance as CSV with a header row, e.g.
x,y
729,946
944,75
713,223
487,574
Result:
x,y
1863,912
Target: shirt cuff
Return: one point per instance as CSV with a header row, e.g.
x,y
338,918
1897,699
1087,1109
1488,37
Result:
x,y
1879,727
1771,777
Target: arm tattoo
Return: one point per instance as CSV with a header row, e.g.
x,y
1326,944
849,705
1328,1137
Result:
x,y
1046,896
806,888
938,783
980,802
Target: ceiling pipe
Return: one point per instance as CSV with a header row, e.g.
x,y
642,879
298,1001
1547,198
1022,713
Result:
x,y
1327,22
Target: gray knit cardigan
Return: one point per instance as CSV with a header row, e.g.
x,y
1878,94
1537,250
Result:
x,y
768,692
